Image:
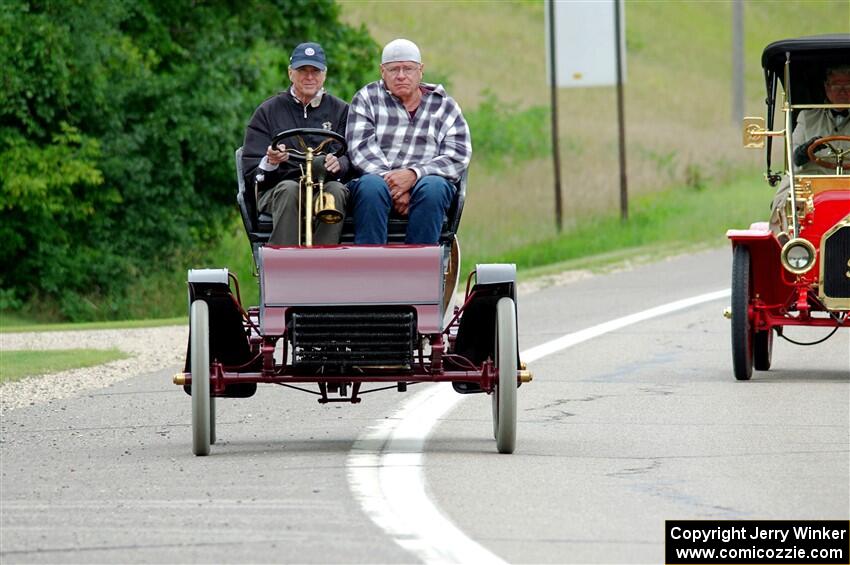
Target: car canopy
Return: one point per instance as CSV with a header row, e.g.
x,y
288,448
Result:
x,y
810,57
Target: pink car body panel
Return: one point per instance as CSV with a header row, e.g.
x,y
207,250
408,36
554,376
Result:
x,y
362,275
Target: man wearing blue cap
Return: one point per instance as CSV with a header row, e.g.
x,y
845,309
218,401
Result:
x,y
304,105
410,142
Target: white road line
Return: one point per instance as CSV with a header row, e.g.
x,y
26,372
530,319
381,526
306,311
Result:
x,y
575,338
386,469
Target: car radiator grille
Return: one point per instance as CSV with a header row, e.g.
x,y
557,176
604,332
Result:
x,y
836,264
337,340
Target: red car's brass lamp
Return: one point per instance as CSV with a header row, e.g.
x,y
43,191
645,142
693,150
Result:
x,y
798,256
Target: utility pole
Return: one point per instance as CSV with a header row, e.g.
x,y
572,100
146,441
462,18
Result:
x,y
737,61
621,119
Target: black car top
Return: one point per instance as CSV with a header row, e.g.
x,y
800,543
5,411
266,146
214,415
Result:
x,y
810,57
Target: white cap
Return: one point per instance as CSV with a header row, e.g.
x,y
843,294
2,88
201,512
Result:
x,y
400,50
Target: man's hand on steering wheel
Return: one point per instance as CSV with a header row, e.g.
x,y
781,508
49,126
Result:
x,y
298,151
835,153
801,156
332,164
277,156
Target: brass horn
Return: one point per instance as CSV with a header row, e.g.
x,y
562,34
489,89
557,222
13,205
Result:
x,y
325,208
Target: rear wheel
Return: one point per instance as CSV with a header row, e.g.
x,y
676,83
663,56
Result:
x,y
199,330
742,329
762,350
504,397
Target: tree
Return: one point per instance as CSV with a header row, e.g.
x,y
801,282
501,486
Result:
x,y
118,122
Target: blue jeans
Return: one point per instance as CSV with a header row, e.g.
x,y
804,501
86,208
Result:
x,y
430,198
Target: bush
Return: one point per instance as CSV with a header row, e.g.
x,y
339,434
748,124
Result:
x,y
502,134
118,121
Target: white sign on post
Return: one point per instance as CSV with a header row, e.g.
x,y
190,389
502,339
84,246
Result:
x,y
584,43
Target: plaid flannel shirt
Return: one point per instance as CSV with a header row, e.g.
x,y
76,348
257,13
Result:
x,y
382,137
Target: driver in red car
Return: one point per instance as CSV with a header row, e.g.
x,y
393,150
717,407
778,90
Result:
x,y
304,105
812,125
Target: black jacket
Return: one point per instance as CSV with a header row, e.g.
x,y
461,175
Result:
x,y
283,112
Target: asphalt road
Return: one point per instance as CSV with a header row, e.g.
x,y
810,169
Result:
x,y
616,435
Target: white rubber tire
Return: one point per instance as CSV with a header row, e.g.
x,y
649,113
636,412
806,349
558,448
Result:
x,y
199,329
505,412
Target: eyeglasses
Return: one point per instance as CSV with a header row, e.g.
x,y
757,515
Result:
x,y
839,88
407,70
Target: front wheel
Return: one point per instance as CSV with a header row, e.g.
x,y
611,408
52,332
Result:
x,y
742,327
504,397
199,341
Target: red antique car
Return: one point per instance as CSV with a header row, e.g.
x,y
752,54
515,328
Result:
x,y
351,320
796,272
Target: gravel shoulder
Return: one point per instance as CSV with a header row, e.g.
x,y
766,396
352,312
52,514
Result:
x,y
151,349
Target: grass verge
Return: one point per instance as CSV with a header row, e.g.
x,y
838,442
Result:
x,y
13,323
18,364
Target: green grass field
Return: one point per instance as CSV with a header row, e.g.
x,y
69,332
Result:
x,y
15,365
679,126
657,221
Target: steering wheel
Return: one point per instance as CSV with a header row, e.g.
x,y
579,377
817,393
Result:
x,y
836,154
299,154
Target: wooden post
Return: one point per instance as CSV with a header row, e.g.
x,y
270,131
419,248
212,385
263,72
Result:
x,y
556,152
621,125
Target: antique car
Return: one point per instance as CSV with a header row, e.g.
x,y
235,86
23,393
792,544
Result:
x,y
350,319
795,270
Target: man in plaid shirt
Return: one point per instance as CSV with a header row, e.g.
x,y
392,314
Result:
x,y
411,143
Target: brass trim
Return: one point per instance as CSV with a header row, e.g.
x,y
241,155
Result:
x,y
804,188
815,184
308,200
817,106
839,303
754,132
789,154
805,199
525,376
179,379
727,312
783,257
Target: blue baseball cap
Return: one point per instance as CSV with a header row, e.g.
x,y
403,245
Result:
x,y
310,54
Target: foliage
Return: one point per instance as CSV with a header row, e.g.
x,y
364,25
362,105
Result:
x,y
502,133
118,121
